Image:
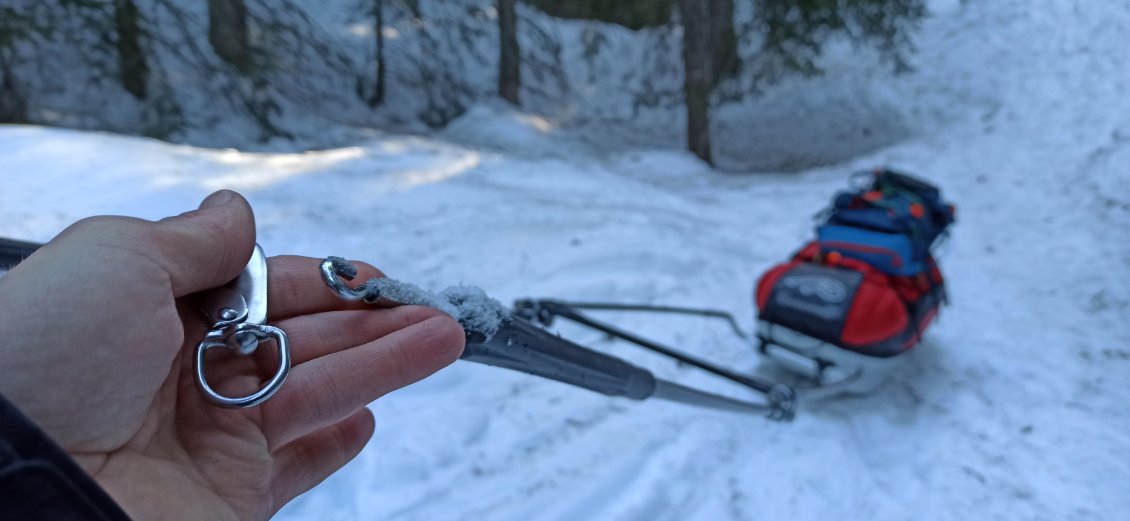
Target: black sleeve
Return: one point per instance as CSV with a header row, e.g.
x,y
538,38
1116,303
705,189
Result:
x,y
40,482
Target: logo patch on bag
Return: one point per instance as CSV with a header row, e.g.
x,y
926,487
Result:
x,y
824,287
813,299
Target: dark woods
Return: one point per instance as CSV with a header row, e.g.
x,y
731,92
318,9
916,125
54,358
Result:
x,y
226,71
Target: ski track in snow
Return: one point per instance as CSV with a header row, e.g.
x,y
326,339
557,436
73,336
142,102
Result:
x,y
1013,408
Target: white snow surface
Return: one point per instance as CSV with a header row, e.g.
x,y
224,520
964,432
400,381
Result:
x,y
1014,407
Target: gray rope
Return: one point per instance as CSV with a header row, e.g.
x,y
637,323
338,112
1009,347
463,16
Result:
x,y
469,305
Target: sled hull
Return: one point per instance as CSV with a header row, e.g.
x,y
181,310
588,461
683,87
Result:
x,y
827,367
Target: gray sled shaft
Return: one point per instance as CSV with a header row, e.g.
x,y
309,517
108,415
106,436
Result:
x,y
522,346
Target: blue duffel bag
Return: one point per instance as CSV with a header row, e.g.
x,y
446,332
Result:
x,y
890,223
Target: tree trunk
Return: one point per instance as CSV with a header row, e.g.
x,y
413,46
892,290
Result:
x,y
723,40
698,76
510,60
132,69
227,32
13,105
378,96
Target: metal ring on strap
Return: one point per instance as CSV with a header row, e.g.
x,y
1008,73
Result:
x,y
222,338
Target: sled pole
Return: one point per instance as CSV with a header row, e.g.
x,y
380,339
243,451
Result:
x,y
523,346
677,310
545,310
671,391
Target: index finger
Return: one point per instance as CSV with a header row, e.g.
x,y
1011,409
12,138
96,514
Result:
x,y
295,287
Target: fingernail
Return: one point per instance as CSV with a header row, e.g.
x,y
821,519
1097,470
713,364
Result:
x,y
219,198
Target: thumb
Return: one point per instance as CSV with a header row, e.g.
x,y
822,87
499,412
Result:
x,y
207,247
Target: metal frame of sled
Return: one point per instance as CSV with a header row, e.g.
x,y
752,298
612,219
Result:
x,y
827,370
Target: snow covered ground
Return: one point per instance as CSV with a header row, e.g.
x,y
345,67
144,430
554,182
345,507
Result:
x,y
1015,407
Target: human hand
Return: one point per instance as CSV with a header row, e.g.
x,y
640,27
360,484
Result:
x,y
97,331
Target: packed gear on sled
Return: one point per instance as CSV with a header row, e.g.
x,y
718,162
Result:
x,y
843,308
891,222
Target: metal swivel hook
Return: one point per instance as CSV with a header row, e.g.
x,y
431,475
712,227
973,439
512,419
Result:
x,y
238,313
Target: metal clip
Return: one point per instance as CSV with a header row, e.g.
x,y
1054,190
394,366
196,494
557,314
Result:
x,y
334,269
238,313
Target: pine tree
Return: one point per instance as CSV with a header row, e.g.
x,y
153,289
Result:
x,y
15,26
227,33
378,96
510,60
793,34
132,67
698,74
723,40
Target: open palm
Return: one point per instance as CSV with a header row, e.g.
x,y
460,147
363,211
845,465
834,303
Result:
x,y
106,319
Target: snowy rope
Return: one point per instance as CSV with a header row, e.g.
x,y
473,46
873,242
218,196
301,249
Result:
x,y
469,305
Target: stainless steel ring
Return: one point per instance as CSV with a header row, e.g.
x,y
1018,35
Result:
x,y
269,389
